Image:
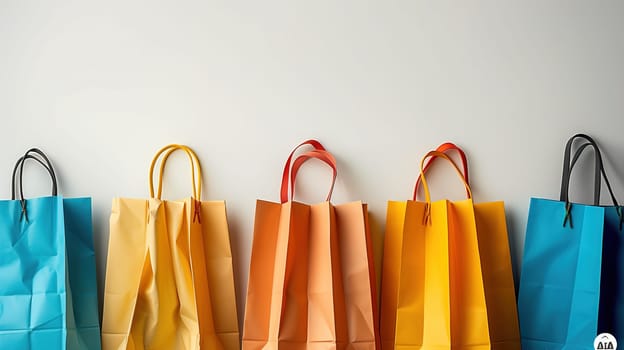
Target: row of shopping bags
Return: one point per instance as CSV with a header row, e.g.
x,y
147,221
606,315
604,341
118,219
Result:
x,y
447,280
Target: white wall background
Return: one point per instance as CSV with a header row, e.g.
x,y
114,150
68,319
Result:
x,y
101,86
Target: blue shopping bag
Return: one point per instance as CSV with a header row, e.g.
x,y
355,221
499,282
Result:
x,y
571,277
48,291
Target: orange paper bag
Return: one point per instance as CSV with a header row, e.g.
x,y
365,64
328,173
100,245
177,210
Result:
x,y
311,278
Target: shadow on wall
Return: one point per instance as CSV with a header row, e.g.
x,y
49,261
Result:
x,y
516,242
100,244
377,236
236,237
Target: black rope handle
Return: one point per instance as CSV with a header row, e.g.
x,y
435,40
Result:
x,y
618,208
565,177
17,165
602,171
599,174
42,159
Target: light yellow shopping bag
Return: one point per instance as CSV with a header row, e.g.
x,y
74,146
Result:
x,y
169,278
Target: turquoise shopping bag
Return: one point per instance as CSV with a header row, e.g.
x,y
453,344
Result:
x,y
48,291
571,276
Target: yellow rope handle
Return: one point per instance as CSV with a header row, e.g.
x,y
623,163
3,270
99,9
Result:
x,y
196,174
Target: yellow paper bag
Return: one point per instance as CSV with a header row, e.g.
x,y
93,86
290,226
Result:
x,y
447,281
169,280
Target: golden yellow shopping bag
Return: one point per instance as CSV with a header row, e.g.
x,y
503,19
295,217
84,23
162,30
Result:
x,y
447,275
169,280
397,223
311,278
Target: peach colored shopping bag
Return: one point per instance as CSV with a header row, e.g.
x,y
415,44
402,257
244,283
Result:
x,y
311,278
